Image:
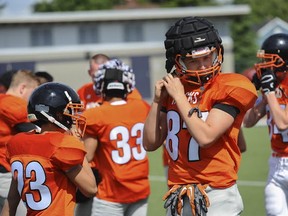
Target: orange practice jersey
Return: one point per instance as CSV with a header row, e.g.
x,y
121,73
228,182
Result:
x,y
218,164
89,97
279,139
13,110
120,157
39,163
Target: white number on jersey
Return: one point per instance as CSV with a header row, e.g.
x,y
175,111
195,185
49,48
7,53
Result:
x,y
36,184
124,153
174,127
273,127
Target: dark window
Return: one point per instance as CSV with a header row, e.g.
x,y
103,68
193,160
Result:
x,y
88,34
41,36
133,32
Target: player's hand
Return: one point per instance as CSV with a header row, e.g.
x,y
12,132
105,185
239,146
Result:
x,y
268,82
160,91
76,132
173,86
172,199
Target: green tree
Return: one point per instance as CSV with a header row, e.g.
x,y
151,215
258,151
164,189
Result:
x,y
73,5
186,3
82,5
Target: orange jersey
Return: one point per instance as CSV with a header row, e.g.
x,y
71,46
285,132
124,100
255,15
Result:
x,y
279,139
120,157
13,110
218,164
39,163
89,97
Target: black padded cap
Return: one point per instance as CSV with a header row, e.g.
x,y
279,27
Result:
x,y
187,34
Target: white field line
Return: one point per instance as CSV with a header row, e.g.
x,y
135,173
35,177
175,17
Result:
x,y
239,182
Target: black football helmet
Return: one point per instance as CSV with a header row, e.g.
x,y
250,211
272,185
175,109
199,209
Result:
x,y
274,55
56,103
193,37
114,79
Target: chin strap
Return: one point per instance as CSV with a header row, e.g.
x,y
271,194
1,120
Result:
x,y
54,121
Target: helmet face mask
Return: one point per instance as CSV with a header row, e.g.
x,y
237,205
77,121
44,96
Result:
x,y
269,61
191,73
58,104
274,56
74,110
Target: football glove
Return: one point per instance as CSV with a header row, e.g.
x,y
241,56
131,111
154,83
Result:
x,y
171,198
255,80
268,81
198,199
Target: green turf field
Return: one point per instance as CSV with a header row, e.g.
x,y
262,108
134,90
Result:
x,y
252,175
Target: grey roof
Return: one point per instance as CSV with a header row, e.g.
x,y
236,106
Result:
x,y
128,14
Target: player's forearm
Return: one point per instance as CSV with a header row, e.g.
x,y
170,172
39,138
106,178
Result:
x,y
195,125
254,114
152,131
204,132
91,184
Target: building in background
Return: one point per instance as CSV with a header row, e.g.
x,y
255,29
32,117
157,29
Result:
x,y
62,43
274,26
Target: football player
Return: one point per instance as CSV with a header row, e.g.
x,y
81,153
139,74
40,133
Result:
x,y
49,164
272,103
113,140
87,92
199,111
13,119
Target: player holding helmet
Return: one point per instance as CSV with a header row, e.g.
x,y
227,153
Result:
x,y
49,166
199,111
273,81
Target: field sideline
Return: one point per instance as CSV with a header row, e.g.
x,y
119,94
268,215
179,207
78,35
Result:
x,y
252,175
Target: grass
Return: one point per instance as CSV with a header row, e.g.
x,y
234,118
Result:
x,y
252,175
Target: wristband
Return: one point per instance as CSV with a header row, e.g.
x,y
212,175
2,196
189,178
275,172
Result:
x,y
191,111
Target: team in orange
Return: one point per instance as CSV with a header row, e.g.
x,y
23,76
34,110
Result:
x,y
197,112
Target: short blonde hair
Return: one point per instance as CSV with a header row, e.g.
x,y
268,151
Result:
x,y
23,76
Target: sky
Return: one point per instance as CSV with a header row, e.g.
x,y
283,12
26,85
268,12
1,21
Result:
x,y
17,7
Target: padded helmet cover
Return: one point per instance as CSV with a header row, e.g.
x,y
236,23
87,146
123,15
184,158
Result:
x,y
187,34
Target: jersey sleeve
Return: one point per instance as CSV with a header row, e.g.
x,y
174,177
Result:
x,y
93,120
13,110
70,153
238,91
